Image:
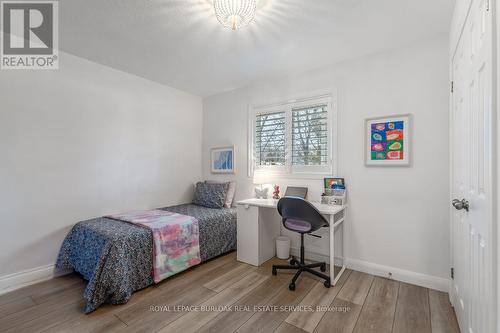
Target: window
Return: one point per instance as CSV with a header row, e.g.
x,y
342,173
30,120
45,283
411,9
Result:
x,y
270,139
309,135
293,138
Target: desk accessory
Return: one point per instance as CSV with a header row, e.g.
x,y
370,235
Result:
x,y
261,193
276,193
335,191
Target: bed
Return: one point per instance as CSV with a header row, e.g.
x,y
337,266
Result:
x,y
115,257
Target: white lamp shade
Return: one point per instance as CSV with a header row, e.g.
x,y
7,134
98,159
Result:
x,y
261,177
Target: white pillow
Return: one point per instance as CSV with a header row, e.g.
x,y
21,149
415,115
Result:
x,y
231,190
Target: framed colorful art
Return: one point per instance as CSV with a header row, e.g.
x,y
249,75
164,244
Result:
x,y
387,141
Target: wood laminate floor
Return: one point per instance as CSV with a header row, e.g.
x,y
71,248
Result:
x,y
224,295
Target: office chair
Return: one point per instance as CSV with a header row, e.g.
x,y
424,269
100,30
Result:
x,y
300,216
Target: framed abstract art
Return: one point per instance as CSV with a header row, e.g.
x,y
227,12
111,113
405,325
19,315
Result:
x,y
387,141
222,160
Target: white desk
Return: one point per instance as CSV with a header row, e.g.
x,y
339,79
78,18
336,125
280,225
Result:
x,y
259,224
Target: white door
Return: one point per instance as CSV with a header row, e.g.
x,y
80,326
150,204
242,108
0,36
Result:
x,y
473,289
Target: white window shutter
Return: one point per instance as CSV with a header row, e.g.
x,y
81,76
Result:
x,y
310,136
270,139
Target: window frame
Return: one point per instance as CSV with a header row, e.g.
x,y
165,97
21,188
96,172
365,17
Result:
x,y
289,170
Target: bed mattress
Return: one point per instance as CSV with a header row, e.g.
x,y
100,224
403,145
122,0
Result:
x,y
115,257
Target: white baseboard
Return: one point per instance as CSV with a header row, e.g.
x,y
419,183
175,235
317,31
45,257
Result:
x,y
423,280
25,278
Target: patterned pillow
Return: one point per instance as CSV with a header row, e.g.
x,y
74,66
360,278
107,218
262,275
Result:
x,y
231,190
210,195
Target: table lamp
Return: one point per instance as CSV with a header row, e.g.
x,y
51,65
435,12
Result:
x,y
261,178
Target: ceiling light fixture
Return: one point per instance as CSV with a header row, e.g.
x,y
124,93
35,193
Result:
x,y
235,14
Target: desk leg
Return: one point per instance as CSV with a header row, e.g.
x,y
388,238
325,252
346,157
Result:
x,y
341,225
332,250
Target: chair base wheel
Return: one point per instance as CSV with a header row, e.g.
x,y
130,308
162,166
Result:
x,y
291,286
293,262
323,268
327,284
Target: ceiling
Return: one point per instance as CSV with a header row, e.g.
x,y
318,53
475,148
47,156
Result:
x,y
180,43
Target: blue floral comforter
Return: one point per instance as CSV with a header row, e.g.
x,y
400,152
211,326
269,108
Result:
x,y
115,257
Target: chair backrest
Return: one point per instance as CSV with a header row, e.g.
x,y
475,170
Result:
x,y
300,209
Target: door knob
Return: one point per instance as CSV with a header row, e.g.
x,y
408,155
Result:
x,y
460,204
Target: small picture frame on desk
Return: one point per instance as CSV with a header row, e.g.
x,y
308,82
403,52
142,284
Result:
x,y
334,182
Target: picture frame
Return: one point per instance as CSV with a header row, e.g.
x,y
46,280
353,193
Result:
x,y
222,159
388,140
331,182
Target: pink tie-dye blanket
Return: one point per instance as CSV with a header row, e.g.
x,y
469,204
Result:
x,y
175,236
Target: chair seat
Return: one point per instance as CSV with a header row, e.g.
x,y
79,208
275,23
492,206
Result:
x,y
298,225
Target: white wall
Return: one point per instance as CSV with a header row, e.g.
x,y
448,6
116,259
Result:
x,y
496,208
398,217
84,141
